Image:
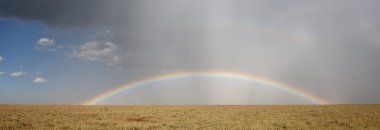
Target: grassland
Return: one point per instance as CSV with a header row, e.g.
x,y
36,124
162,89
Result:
x,y
190,117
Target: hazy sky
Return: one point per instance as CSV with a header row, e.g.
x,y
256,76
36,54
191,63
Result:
x,y
67,51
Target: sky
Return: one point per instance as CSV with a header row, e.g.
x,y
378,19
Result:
x,y
69,51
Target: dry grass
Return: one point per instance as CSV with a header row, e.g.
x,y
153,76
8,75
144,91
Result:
x,y
190,117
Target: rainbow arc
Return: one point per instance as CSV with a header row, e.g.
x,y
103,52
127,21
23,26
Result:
x,y
223,74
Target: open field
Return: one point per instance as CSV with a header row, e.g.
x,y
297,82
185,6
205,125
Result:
x,y
190,117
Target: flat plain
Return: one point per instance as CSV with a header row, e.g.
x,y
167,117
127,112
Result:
x,y
191,117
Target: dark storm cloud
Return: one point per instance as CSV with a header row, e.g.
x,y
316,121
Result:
x,y
69,13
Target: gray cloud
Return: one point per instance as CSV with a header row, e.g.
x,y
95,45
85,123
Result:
x,y
330,48
54,12
97,51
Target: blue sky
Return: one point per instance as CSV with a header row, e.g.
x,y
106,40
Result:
x,y
20,53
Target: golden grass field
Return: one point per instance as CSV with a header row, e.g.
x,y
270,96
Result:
x,y
190,117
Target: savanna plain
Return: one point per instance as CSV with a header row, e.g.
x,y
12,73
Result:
x,y
191,117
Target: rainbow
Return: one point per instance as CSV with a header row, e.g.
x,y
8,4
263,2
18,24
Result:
x,y
223,74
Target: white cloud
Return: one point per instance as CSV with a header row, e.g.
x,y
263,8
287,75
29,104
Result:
x,y
2,73
40,80
1,58
18,74
97,51
45,42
